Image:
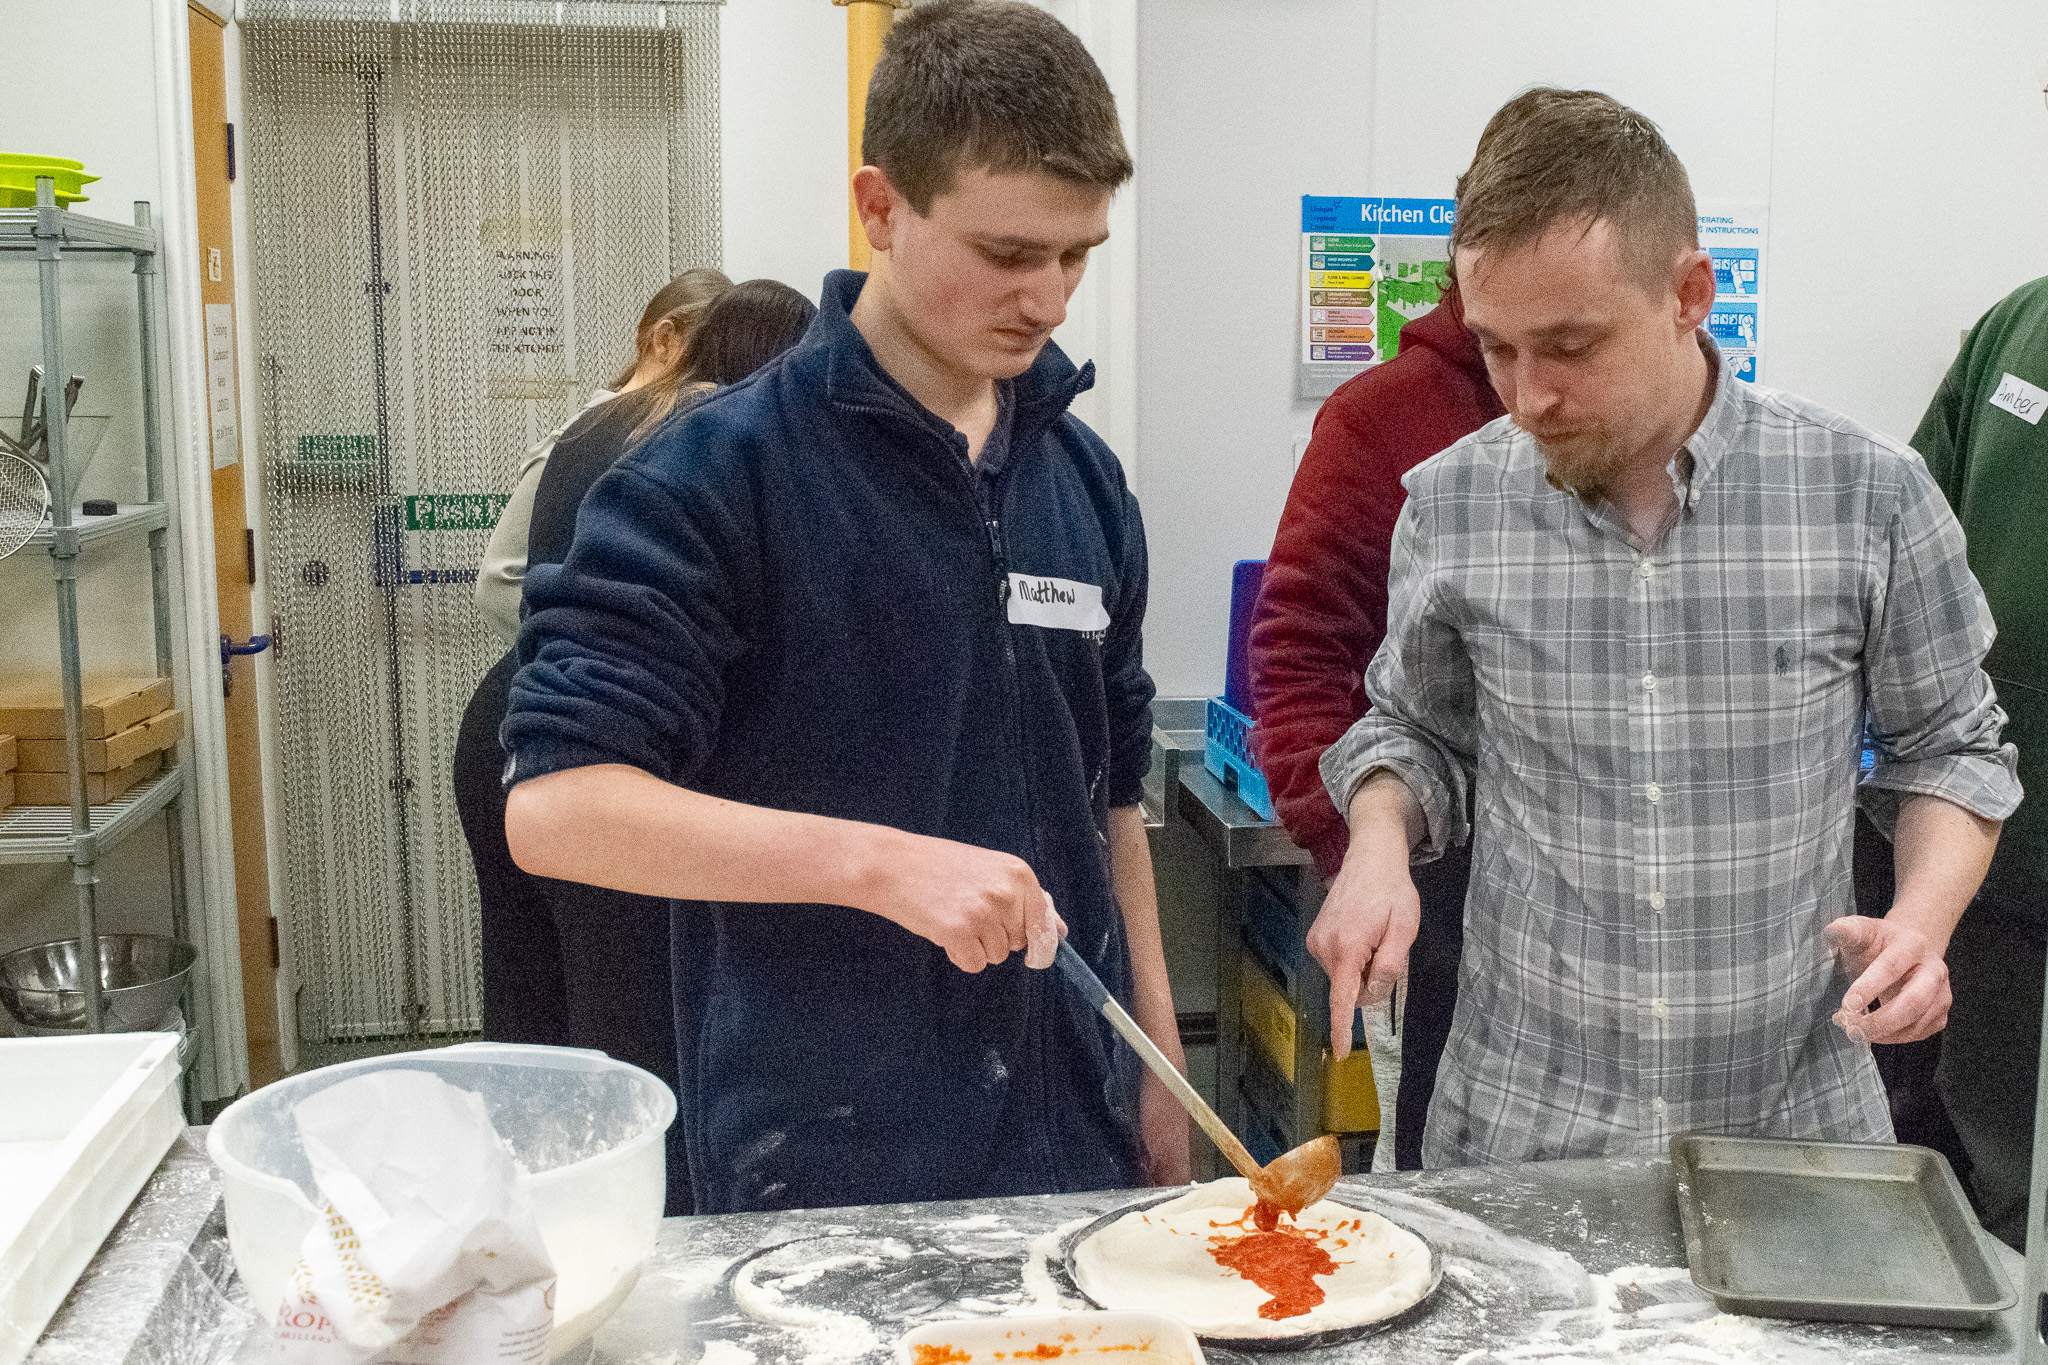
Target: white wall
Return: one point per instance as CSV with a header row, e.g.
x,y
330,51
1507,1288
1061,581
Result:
x,y
1853,117
1910,191
782,78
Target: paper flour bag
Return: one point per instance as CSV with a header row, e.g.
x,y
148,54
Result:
x,y
428,1252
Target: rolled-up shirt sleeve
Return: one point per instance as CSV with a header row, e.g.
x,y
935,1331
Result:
x,y
1423,724
1935,718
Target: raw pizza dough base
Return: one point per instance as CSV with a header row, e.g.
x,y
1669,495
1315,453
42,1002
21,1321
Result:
x,y
1158,1260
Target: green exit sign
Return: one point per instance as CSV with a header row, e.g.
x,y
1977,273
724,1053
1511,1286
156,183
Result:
x,y
453,511
338,449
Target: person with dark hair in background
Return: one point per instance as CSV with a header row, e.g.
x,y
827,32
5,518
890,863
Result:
x,y
747,326
666,325
1634,627
848,660
566,964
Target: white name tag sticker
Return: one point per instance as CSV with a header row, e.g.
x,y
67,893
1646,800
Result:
x,y
1058,603
2023,400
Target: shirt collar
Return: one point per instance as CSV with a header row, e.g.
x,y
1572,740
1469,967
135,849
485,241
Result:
x,y
1715,433
853,376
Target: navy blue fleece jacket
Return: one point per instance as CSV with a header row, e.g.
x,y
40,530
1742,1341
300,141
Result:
x,y
800,594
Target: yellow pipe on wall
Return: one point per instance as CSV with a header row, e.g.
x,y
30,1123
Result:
x,y
867,25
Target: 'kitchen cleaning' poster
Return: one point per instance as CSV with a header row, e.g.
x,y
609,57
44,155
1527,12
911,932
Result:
x,y
1368,266
1371,265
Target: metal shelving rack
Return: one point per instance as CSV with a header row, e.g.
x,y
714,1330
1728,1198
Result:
x,y
81,835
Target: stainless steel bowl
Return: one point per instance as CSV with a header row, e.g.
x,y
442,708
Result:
x,y
141,978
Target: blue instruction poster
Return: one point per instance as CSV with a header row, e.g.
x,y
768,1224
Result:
x,y
1734,235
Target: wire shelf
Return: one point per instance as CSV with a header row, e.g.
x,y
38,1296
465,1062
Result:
x,y
42,834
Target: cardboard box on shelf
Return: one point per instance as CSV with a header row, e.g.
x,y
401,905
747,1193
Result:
x,y
54,789
9,754
111,754
33,708
6,790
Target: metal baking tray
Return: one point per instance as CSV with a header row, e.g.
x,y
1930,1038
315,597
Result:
x,y
1066,1279
1835,1231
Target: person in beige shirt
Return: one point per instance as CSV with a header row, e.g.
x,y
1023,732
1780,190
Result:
x,y
659,345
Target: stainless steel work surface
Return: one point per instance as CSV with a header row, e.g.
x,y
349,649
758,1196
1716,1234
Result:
x,y
1556,1261
1847,1232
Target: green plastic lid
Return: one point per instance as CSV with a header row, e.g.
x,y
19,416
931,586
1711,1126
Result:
x,y
18,173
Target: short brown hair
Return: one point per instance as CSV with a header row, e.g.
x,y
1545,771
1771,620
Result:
x,y
1551,156
988,83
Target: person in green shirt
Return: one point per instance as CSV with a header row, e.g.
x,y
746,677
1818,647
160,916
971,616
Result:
x,y
1986,443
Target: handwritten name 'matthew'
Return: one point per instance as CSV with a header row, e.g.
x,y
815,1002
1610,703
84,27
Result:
x,y
1044,590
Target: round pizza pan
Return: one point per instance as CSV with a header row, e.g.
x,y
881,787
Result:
x,y
1330,1336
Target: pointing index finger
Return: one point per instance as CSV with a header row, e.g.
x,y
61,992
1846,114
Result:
x,y
1344,984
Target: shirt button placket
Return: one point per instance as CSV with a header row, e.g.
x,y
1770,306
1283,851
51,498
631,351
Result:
x,y
1648,866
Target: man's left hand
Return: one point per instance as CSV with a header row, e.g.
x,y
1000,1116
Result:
x,y
1163,1131
1897,968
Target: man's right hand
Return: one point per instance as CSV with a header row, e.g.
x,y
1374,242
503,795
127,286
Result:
x,y
1368,921
977,904
1362,936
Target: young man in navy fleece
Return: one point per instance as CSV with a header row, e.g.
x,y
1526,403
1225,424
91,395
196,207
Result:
x,y
847,661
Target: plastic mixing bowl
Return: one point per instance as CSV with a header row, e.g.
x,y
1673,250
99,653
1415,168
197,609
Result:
x,y
588,1131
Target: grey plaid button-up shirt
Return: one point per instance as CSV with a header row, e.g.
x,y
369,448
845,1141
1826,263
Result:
x,y
1664,752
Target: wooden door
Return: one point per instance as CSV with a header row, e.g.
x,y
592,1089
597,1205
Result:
x,y
233,550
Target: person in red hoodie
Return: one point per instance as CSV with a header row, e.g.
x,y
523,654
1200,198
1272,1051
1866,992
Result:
x,y
1321,614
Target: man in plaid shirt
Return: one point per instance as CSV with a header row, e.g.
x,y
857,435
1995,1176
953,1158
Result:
x,y
1641,617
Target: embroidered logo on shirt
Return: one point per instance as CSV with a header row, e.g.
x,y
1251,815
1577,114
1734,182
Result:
x,y
1058,603
2023,400
1783,660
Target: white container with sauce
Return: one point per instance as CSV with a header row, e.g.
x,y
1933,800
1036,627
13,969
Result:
x,y
1079,1338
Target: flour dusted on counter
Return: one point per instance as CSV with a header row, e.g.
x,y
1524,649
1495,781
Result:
x,y
826,1336
428,1251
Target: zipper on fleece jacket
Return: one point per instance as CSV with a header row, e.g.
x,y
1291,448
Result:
x,y
991,522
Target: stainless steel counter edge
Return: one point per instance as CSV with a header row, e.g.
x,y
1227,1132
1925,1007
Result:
x,y
1180,788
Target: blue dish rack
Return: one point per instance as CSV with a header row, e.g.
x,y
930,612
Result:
x,y
1227,754
1227,734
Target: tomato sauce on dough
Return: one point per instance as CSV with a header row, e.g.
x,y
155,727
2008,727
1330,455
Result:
x,y
1283,1261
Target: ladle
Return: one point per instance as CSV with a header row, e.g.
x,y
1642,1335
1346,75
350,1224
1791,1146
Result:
x,y
1294,1181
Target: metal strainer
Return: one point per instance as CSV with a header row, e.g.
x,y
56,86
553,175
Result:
x,y
24,503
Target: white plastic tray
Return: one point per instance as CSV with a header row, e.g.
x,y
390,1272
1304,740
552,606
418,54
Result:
x,y
85,1121
1133,1338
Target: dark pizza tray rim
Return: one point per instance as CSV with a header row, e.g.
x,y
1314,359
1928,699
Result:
x,y
1924,1169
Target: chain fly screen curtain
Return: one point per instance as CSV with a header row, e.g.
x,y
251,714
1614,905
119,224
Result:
x,y
458,209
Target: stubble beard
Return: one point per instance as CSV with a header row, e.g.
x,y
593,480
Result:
x,y
1584,465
